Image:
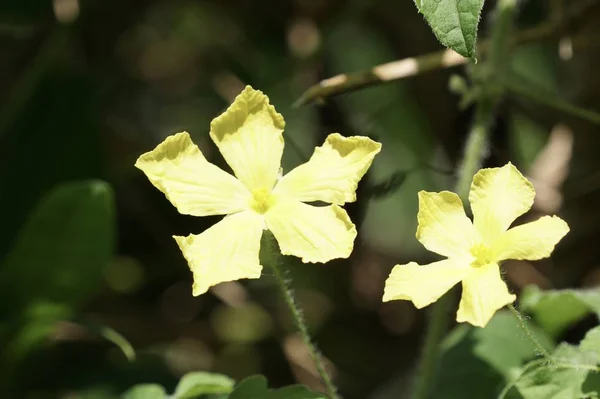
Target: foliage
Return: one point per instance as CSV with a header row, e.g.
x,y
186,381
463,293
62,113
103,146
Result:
x,y
97,300
207,385
556,310
454,22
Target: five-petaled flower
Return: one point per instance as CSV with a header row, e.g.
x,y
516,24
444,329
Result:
x,y
473,250
249,135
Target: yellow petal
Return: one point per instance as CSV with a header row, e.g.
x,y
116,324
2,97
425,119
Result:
x,y
531,241
249,135
333,172
484,292
315,234
225,252
424,285
195,186
498,196
443,226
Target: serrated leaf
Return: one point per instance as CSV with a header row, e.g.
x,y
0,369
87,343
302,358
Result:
x,y
145,391
554,310
454,22
546,381
198,383
256,387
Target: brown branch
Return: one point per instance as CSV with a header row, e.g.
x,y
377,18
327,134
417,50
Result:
x,y
408,67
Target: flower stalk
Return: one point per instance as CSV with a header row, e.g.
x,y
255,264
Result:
x,y
538,346
273,259
474,153
439,317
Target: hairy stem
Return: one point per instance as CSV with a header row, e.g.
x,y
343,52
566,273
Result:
x,y
523,324
475,151
271,251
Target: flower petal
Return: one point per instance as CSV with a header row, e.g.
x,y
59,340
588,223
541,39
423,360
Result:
x,y
531,241
498,196
192,184
333,172
424,285
443,226
484,292
250,137
226,251
315,234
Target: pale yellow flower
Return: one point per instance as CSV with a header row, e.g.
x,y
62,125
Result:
x,y
249,135
474,250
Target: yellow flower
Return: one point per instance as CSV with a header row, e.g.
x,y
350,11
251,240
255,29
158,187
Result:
x,y
249,135
473,250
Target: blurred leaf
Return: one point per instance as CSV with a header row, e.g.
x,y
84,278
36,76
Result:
x,y
527,138
32,327
454,22
62,250
537,63
246,323
591,341
388,186
48,143
554,310
255,387
55,265
197,383
477,361
545,381
111,335
146,391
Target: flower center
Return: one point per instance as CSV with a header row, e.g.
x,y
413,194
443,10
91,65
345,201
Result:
x,y
482,255
262,200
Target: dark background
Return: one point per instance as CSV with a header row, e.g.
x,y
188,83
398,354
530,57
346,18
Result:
x,y
88,86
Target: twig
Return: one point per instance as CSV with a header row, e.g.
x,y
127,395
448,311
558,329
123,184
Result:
x,y
409,67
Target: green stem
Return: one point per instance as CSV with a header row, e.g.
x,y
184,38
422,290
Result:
x,y
475,151
511,384
439,316
475,148
523,324
550,100
274,261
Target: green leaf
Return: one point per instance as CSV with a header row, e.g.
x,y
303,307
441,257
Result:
x,y
477,361
554,310
145,391
256,387
454,22
197,383
61,252
545,381
55,265
591,341
38,129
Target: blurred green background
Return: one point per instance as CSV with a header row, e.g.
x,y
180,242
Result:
x,y
86,86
